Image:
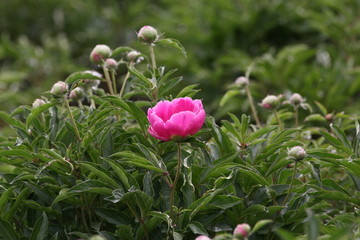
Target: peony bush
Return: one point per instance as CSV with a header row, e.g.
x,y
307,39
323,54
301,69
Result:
x,y
105,155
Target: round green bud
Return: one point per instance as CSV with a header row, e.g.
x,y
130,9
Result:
x,y
270,102
99,54
297,153
148,34
59,89
77,94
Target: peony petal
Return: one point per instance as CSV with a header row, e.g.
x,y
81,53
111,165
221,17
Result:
x,y
197,122
164,110
178,123
183,104
155,135
198,106
152,117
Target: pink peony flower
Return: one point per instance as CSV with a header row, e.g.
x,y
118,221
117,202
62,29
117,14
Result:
x,y
202,237
242,230
181,117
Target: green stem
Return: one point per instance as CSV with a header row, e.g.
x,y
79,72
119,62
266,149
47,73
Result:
x,y
125,80
252,105
108,80
152,55
296,113
113,79
173,186
277,118
72,119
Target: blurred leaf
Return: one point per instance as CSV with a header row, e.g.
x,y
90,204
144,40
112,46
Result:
x,y
7,231
40,230
173,43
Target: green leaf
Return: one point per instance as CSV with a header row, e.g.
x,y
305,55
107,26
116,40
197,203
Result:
x,y
141,76
173,43
35,112
11,121
7,232
336,143
125,232
197,228
130,158
188,91
40,229
120,50
101,173
313,225
260,224
77,76
228,96
20,197
4,199
285,235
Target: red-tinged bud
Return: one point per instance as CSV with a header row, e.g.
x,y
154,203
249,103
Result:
x,y
148,34
59,89
111,64
202,237
133,55
296,99
241,81
38,102
270,102
99,54
242,230
77,94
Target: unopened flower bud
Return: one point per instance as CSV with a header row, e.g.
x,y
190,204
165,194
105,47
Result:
x,y
329,117
111,64
296,99
99,92
133,55
242,230
97,237
59,89
202,237
270,102
38,102
93,83
297,153
148,34
99,54
241,81
77,94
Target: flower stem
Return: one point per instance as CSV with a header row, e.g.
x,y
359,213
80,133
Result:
x,y
152,55
296,113
72,119
108,80
252,106
125,80
113,79
277,118
173,186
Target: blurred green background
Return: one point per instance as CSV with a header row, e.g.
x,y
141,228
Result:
x,y
310,47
